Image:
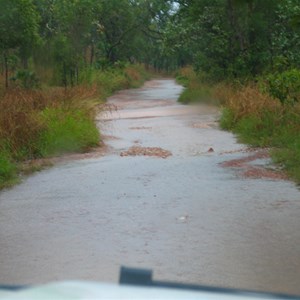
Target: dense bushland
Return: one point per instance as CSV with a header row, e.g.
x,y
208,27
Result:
x,y
245,53
261,120
236,39
60,42
196,88
254,113
54,120
59,60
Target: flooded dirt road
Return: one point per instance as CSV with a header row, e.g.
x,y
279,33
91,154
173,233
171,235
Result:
x,y
174,194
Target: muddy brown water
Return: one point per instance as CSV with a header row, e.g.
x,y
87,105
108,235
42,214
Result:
x,y
190,217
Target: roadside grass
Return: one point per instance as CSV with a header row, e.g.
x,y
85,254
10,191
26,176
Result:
x,y
111,79
7,170
54,120
66,131
262,121
196,91
137,75
257,118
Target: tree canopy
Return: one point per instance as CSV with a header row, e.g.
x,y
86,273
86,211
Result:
x,y
236,38
221,38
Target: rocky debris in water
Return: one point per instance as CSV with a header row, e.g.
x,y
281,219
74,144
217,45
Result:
x,y
211,150
241,162
140,128
255,172
204,125
244,149
109,137
146,151
259,172
201,125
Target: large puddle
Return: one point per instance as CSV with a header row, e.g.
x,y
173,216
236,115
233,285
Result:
x,y
172,194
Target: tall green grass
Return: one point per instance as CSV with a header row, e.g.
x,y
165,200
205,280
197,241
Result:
x,y
66,131
253,114
54,120
113,79
260,120
196,91
7,169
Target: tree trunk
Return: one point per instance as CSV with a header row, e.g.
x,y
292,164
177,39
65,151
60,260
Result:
x,y
77,75
92,54
235,25
25,63
2,66
64,79
6,69
71,77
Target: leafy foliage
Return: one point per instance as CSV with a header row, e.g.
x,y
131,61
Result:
x,y
235,38
285,86
26,79
67,37
42,123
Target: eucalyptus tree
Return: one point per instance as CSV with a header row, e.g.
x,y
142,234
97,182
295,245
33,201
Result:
x,y
18,30
236,38
153,16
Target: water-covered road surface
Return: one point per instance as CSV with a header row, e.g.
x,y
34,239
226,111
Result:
x,y
209,212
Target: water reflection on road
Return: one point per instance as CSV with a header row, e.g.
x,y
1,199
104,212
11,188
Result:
x,y
185,216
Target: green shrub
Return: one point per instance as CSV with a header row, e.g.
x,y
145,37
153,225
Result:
x,y
288,155
112,79
195,89
281,136
7,168
227,120
258,120
284,86
54,120
185,75
257,130
136,75
196,92
26,79
66,131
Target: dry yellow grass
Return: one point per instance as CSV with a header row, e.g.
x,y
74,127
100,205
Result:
x,y
187,72
20,122
55,120
245,101
133,73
